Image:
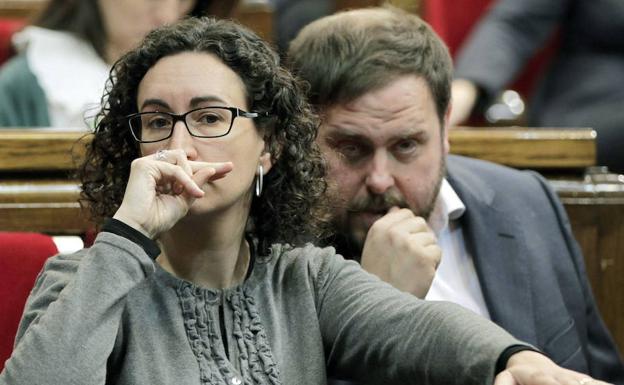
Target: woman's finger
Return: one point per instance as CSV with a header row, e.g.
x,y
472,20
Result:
x,y
219,167
208,172
171,174
206,175
177,157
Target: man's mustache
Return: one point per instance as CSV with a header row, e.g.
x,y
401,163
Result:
x,y
377,203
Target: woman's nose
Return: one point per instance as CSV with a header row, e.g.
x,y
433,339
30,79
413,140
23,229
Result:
x,y
181,139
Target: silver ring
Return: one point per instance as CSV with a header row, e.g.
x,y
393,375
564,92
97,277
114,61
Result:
x,y
585,380
161,155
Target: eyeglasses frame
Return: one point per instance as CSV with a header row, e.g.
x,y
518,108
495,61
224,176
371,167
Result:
x,y
236,112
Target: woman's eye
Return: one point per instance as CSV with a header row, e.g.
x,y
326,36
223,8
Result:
x,y
209,118
157,123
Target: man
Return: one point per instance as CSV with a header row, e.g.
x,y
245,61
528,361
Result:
x,y
380,80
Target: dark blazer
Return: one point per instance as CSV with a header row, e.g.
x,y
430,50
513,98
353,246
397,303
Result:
x,y
530,268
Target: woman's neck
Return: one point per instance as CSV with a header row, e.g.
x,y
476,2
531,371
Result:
x,y
207,255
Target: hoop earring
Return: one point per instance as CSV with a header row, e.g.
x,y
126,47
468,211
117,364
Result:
x,y
259,178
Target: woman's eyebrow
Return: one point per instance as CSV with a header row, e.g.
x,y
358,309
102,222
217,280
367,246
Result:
x,y
198,100
195,102
154,102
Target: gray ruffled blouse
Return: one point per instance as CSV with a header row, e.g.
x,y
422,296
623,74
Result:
x,y
110,315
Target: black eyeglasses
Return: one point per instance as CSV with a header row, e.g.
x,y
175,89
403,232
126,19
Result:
x,y
205,122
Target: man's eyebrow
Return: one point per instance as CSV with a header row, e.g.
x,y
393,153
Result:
x,y
333,131
416,132
336,131
335,134
341,130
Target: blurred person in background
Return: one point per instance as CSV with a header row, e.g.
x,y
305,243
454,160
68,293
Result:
x,y
292,15
58,77
584,85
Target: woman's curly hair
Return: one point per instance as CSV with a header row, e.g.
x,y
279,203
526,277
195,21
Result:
x,y
291,207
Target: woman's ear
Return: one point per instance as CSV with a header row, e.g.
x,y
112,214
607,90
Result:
x,y
266,162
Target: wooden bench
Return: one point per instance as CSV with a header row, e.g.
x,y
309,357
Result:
x,y
36,190
37,194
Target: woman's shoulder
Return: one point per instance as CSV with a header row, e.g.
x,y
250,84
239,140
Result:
x,y
282,254
62,266
307,262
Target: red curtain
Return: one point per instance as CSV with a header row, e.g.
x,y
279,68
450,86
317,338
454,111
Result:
x,y
7,28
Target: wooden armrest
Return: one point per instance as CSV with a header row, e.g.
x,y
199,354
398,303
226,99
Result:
x,y
47,206
527,147
41,149
21,9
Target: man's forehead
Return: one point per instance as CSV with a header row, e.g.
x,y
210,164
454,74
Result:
x,y
382,134
401,122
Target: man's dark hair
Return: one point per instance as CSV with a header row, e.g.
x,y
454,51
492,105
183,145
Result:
x,y
348,54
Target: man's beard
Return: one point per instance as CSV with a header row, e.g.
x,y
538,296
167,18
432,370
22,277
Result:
x,y
349,242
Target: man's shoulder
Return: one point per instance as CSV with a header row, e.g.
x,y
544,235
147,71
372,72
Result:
x,y
482,168
474,172
491,182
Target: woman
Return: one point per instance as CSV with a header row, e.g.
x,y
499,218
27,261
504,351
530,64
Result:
x,y
58,77
207,146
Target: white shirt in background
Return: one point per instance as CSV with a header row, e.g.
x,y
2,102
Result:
x,y
70,72
67,244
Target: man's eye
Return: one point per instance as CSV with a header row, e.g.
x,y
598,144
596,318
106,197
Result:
x,y
350,150
406,145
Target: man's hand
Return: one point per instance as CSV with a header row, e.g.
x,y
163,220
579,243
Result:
x,y
401,249
532,368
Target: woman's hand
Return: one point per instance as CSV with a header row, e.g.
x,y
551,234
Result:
x,y
162,187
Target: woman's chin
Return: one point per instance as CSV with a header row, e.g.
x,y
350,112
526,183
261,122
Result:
x,y
201,207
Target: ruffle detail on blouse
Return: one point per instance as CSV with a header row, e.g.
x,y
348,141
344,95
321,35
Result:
x,y
255,356
199,310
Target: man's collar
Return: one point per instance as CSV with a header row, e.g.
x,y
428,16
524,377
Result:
x,y
448,207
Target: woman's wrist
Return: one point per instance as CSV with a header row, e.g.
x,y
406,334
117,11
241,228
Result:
x,y
119,227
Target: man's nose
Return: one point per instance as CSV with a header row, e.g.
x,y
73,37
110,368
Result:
x,y
380,177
